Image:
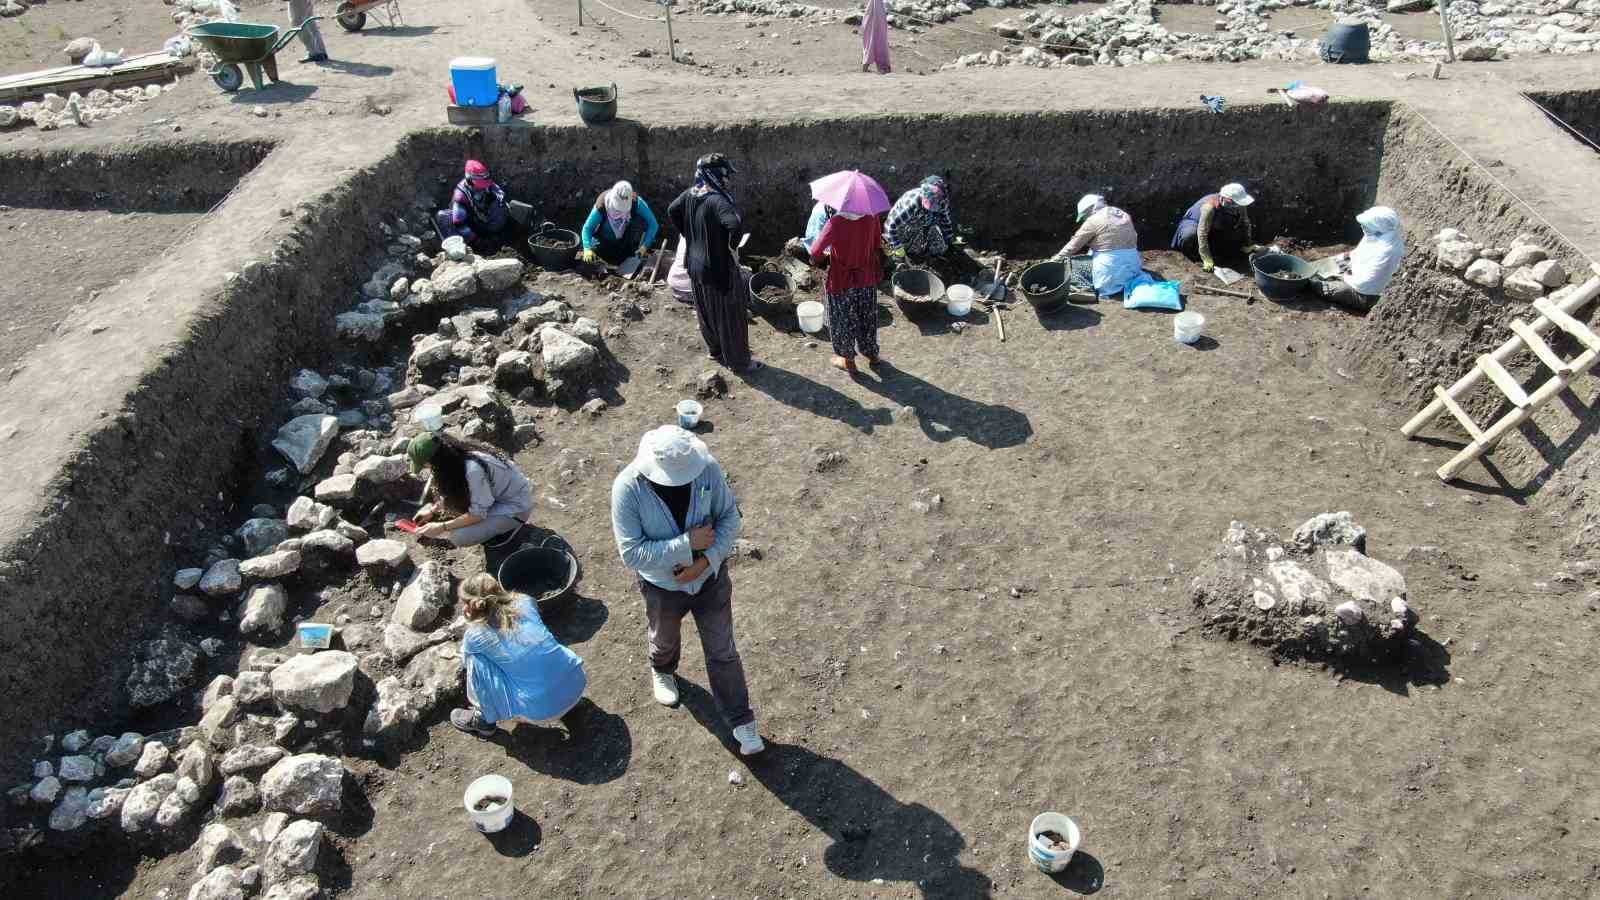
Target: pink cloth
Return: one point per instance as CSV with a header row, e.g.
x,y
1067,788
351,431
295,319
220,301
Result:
x,y
875,37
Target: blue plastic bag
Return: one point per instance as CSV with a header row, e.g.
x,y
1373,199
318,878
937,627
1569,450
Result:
x,y
1145,292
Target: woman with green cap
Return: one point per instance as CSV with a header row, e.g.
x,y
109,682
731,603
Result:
x,y
476,483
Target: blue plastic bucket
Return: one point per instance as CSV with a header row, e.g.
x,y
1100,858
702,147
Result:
x,y
475,80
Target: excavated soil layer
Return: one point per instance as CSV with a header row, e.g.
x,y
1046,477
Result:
x,y
1576,111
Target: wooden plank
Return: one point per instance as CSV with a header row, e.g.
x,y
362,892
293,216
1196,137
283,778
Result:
x,y
1511,420
1460,414
1567,323
1540,349
1512,346
46,75
87,78
1503,380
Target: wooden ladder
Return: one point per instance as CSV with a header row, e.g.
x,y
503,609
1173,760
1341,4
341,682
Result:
x,y
1525,336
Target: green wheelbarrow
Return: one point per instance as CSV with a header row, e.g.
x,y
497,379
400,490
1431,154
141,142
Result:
x,y
236,44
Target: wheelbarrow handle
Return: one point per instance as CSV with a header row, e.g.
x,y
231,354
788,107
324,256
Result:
x,y
289,35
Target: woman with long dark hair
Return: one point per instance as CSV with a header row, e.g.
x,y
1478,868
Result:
x,y
476,484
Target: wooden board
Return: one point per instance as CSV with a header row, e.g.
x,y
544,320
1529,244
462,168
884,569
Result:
x,y
1567,323
1540,349
63,80
1460,414
1503,380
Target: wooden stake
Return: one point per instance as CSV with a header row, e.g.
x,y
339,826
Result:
x,y
580,13
672,47
1444,22
1203,289
999,322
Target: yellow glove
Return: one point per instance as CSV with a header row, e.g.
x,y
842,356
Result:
x,y
1207,266
960,241
644,250
587,255
899,253
1254,248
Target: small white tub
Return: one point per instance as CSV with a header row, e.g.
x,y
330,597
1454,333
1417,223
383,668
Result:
x,y
689,412
958,300
1186,326
1039,851
812,316
497,816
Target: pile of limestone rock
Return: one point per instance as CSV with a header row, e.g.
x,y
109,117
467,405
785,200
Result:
x,y
1128,32
903,14
78,110
255,780
1524,271
1316,595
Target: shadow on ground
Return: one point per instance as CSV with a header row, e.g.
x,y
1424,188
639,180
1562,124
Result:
x,y
874,834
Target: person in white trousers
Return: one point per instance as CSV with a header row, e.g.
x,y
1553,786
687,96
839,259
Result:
x,y
311,36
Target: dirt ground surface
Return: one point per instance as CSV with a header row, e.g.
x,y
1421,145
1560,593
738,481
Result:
x,y
930,681
57,260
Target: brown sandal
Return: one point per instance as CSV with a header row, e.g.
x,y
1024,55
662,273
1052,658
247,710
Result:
x,y
843,364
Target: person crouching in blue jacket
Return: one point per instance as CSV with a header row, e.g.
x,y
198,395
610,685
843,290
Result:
x,y
516,669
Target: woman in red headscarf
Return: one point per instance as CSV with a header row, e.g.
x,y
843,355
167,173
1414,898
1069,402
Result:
x,y
477,207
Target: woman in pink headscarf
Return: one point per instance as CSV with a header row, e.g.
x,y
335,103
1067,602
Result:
x,y
875,37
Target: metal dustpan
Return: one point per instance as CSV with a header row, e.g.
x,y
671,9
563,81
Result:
x,y
630,267
1226,275
1327,267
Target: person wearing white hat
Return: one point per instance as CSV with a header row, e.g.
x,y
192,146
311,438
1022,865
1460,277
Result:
x,y
1365,271
675,520
1108,233
1210,217
620,223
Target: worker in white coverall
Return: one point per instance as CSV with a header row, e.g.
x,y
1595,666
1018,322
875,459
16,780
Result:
x,y
299,11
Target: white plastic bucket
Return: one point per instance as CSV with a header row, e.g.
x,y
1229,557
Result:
x,y
689,413
495,818
455,247
958,299
1039,851
1186,326
812,315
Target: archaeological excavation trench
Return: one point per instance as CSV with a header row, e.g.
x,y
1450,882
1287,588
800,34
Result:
x,y
164,480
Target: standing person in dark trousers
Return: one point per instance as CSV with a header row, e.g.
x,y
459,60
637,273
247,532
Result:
x,y
709,221
311,36
675,519
852,239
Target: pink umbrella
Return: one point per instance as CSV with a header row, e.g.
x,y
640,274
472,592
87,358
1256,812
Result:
x,y
851,192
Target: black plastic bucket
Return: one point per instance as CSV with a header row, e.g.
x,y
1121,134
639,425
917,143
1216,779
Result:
x,y
1281,276
546,573
554,259
1347,42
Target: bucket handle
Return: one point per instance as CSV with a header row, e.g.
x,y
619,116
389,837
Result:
x,y
552,536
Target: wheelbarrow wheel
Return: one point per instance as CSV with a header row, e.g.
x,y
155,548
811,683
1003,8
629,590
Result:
x,y
353,21
229,77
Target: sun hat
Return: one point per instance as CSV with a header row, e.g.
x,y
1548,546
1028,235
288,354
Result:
x,y
1236,193
1088,204
671,456
620,198
421,449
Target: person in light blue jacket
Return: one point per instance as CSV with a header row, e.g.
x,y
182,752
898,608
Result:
x,y
516,669
675,520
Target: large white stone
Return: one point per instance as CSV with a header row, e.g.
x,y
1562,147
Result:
x,y
306,514
1521,285
316,682
251,757
263,610
1486,272
303,440
454,281
73,810
1549,273
218,846
307,383
272,565
564,354
221,883
1363,577
401,643
328,540
424,597
382,469
260,535
294,851
142,803
382,552
1457,255
307,785
1524,255
359,326
394,714
497,274
431,351
337,489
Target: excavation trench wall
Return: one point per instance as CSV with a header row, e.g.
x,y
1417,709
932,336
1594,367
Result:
x,y
84,570
1015,179
156,177
1579,110
1432,325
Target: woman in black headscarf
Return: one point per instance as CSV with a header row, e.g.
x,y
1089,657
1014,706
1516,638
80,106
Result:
x,y
710,222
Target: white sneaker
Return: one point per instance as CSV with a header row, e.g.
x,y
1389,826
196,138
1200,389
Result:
x,y
749,738
666,687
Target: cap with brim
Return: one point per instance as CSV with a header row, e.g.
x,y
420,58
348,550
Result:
x,y
420,450
671,456
1237,194
1087,205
